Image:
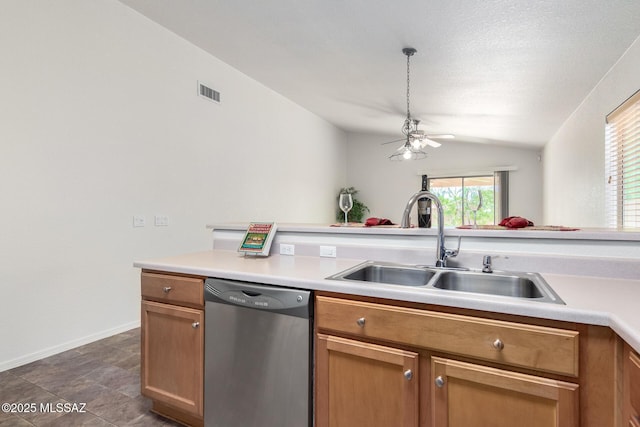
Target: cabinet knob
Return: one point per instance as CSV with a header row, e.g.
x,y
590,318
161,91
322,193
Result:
x,y
408,374
195,325
360,322
498,344
439,381
166,289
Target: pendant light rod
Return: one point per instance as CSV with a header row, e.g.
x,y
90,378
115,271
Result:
x,y
409,52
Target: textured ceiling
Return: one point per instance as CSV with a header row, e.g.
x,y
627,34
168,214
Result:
x,y
504,71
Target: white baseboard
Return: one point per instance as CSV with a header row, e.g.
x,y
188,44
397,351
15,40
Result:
x,y
41,354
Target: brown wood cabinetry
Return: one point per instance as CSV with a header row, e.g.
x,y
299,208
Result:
x,y
541,348
362,384
631,387
172,354
382,362
472,395
473,371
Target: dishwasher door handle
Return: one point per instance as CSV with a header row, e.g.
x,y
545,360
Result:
x,y
251,294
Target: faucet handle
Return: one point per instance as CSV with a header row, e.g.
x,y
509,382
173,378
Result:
x,y
486,264
451,253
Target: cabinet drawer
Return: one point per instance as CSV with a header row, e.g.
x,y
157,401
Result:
x,y
536,347
634,382
170,289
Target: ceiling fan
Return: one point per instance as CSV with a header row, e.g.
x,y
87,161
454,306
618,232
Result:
x,y
415,139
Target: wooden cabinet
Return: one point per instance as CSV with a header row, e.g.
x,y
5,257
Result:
x,y
472,395
361,384
172,354
541,348
631,387
474,371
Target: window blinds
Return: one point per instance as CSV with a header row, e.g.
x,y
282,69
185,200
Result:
x,y
622,163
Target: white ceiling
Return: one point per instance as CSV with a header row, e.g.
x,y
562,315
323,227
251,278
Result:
x,y
504,71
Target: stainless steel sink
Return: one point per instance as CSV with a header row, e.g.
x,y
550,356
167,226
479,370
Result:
x,y
519,285
387,273
493,284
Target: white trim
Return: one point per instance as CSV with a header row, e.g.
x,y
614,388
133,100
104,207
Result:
x,y
448,173
41,354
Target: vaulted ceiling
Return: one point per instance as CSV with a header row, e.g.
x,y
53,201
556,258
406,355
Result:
x,y
504,71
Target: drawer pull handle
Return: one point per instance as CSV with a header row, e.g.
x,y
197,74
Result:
x,y
498,344
166,289
408,374
195,325
439,382
360,322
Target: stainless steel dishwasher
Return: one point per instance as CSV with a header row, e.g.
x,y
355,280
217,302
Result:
x,y
258,355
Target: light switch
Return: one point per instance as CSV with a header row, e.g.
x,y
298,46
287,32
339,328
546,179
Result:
x,y
161,220
328,251
287,249
139,221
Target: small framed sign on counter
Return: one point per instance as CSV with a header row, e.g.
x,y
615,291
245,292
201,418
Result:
x,y
257,240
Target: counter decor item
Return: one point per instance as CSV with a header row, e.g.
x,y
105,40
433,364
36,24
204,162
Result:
x,y
372,222
345,202
358,210
257,240
516,222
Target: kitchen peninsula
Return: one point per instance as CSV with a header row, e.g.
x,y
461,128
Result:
x,y
581,352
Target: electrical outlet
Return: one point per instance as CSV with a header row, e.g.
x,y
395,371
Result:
x,y
161,220
139,221
328,251
286,249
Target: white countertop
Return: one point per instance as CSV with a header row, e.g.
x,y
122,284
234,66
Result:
x,y
589,300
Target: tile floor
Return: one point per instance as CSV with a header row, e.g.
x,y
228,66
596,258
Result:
x,y
104,375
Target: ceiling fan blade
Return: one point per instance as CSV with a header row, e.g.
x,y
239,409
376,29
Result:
x,y
440,136
395,140
431,143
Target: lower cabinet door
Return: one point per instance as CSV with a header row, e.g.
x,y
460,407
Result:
x,y
631,387
469,395
362,384
172,362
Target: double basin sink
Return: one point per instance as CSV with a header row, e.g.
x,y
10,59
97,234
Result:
x,y
518,285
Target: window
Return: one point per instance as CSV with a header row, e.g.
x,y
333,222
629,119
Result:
x,y
468,200
622,164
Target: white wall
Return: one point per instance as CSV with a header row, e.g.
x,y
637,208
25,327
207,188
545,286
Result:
x,y
574,181
99,121
385,186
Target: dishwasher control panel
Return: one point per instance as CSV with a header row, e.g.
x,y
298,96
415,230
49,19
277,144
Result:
x,y
257,296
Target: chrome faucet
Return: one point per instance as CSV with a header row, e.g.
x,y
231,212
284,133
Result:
x,y
442,253
486,264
